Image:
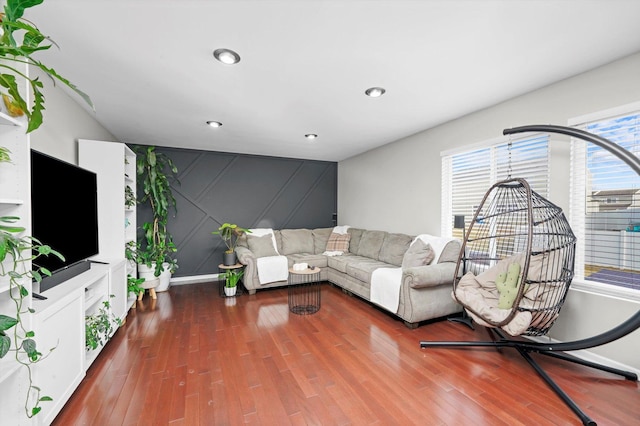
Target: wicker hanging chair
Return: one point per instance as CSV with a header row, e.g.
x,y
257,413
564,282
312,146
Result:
x,y
515,268
516,262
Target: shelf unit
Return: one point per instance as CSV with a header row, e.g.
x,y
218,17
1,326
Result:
x,y
115,165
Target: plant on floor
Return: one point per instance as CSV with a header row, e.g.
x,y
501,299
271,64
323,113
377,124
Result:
x,y
100,326
19,40
157,172
232,277
16,252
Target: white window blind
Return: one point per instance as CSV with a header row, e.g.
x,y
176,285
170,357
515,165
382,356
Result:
x,y
605,204
468,173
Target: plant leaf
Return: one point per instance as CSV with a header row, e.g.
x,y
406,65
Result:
x,y
5,344
7,322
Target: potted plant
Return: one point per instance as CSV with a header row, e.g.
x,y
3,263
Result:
x,y
230,232
156,248
100,326
232,277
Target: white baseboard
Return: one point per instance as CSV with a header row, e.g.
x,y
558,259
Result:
x,y
589,356
195,279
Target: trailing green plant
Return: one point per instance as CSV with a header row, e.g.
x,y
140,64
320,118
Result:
x,y
157,172
100,326
133,285
19,40
232,277
230,232
16,254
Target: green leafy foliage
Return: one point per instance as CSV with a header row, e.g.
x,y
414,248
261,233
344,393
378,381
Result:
x,y
232,277
20,39
16,251
157,172
134,285
100,326
229,232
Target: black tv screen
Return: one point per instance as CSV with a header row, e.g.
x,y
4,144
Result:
x,y
64,215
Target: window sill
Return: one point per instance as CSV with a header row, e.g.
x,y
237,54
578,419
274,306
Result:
x,y
605,290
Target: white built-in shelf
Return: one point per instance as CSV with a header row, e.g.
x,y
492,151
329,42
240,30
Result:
x,y
6,119
16,201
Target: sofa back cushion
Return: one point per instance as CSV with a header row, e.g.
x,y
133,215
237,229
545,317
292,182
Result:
x,y
394,247
296,241
354,241
320,238
261,246
371,243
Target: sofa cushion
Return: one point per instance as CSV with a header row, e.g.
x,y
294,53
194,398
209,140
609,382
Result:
x,y
338,242
312,259
339,263
418,254
362,270
320,238
394,247
296,241
356,235
371,243
261,246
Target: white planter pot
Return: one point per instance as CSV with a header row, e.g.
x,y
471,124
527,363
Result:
x,y
148,274
230,291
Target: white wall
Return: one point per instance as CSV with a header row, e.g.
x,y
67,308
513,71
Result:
x,y
65,121
397,187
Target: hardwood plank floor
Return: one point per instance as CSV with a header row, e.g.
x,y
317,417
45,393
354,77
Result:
x,y
195,358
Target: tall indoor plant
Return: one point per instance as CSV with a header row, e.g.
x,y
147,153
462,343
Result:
x,y
156,248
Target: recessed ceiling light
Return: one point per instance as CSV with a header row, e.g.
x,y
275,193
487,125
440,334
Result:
x,y
374,92
310,136
214,123
226,56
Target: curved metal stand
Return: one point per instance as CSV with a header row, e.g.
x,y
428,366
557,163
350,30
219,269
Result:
x,y
556,349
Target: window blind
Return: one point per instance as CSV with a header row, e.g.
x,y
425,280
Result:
x,y
605,204
468,174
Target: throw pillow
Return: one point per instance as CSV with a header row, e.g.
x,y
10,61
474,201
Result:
x,y
418,254
338,242
261,246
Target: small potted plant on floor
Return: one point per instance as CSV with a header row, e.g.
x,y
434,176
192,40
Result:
x,y
229,232
232,277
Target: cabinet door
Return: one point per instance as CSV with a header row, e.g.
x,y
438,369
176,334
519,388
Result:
x,y
60,326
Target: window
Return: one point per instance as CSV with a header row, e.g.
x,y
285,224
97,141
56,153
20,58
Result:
x,y
605,204
469,172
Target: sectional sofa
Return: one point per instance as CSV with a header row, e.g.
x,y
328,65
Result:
x,y
417,271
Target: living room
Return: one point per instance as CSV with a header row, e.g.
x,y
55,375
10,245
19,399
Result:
x,y
408,172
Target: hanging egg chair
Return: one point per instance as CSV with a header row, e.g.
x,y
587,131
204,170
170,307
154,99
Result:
x,y
516,261
515,268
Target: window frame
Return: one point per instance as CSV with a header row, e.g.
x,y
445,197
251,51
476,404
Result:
x,y
577,209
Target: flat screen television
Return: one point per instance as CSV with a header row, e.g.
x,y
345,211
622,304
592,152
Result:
x,y
64,215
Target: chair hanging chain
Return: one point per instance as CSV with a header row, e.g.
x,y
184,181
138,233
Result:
x,y
509,169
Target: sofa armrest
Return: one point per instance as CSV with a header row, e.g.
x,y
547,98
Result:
x,y
245,256
430,275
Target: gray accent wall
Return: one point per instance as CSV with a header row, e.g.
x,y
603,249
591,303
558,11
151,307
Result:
x,y
251,191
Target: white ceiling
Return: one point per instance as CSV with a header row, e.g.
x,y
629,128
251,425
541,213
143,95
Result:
x,y
149,69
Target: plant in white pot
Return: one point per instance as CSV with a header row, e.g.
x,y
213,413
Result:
x,y
232,278
156,249
230,232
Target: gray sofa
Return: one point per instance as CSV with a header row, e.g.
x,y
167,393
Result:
x,y
425,291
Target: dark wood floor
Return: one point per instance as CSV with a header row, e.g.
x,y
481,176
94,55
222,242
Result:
x,y
196,359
